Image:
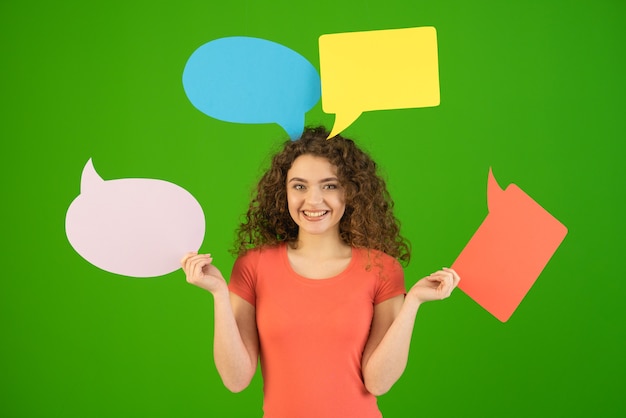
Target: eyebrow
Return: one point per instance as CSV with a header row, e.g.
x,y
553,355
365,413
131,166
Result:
x,y
301,180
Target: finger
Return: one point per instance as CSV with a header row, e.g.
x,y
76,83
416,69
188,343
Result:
x,y
447,283
194,265
436,282
440,283
455,275
192,257
197,263
190,262
194,272
438,275
186,257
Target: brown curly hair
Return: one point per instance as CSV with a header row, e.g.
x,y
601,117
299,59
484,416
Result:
x,y
368,221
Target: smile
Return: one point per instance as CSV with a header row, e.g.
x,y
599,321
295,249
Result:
x,y
316,214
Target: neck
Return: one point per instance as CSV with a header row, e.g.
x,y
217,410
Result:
x,y
321,246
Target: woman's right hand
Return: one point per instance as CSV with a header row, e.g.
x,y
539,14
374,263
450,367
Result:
x,y
201,272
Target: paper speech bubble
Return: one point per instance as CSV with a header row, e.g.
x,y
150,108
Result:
x,y
509,250
133,227
250,80
378,70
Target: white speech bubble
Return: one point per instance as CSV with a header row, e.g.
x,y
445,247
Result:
x,y
133,227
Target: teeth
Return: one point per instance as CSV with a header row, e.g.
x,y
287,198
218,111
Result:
x,y
315,214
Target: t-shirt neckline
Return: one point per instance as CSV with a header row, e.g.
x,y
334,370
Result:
x,y
353,260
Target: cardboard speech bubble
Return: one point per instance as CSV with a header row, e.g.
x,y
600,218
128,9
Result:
x,y
250,80
133,227
378,70
506,255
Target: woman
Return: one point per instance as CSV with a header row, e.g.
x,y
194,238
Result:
x,y
317,292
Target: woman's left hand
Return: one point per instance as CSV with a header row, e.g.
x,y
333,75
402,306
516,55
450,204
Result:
x,y
437,286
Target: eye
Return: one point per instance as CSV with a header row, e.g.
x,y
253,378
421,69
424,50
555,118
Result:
x,y
330,186
298,186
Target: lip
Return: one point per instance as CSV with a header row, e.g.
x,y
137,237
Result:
x,y
315,215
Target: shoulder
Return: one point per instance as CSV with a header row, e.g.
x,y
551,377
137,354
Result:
x,y
388,274
251,267
253,256
378,259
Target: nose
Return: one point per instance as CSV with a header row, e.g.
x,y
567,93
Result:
x,y
314,196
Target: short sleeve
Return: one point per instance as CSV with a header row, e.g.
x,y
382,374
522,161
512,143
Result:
x,y
243,276
390,282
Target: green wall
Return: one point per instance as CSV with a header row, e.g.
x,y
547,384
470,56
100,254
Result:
x,y
533,89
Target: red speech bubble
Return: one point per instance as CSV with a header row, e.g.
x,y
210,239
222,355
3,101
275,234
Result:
x,y
504,258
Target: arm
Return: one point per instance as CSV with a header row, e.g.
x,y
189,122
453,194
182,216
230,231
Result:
x,y
387,350
236,341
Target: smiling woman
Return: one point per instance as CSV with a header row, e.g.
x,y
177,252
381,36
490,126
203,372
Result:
x,y
317,292
368,220
315,198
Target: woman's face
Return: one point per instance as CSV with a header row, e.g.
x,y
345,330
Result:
x,y
315,198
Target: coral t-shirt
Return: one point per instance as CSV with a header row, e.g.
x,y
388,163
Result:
x,y
312,332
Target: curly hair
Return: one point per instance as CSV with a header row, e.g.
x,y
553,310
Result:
x,y
368,220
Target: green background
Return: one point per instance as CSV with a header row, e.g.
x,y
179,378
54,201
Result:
x,y
533,89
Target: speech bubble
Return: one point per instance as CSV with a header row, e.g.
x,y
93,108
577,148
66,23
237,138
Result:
x,y
250,80
378,70
508,252
133,227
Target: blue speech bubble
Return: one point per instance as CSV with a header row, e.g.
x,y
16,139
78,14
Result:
x,y
250,80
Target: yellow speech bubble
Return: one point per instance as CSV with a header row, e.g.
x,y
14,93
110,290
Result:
x,y
378,70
